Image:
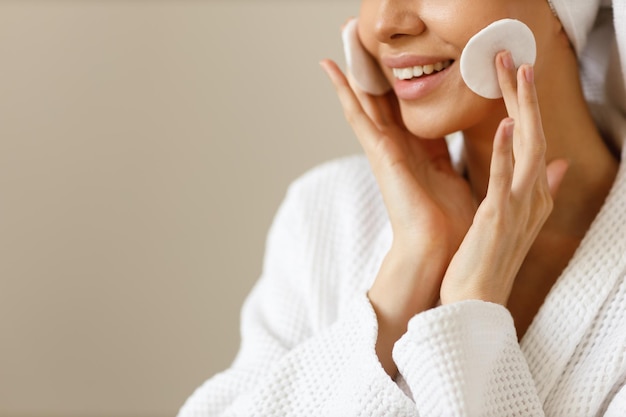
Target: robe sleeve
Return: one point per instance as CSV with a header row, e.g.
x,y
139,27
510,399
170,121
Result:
x,y
463,359
617,407
289,365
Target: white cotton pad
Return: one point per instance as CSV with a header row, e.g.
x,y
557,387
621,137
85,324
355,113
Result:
x,y
478,67
364,69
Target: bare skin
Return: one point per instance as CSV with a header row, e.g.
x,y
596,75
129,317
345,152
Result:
x,y
445,248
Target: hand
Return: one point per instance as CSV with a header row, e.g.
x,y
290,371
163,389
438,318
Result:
x,y
430,208
518,202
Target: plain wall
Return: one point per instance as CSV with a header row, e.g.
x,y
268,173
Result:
x,y
144,148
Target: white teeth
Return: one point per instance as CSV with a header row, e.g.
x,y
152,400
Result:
x,y
406,73
419,70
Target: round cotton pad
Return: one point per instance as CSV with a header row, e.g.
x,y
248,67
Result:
x,y
364,69
478,67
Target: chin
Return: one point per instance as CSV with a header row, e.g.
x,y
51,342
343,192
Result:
x,y
434,122
431,133
428,126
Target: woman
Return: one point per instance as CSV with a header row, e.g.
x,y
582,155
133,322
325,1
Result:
x,y
395,286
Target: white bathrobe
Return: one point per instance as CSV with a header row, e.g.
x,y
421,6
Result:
x,y
309,331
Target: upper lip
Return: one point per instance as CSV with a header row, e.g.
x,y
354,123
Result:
x,y
407,60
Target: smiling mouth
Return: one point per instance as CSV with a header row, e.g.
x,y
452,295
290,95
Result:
x,y
418,71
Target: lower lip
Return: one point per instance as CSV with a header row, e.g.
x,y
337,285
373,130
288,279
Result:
x,y
418,88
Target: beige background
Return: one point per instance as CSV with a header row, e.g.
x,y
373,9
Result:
x,y
144,147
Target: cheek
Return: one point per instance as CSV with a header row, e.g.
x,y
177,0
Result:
x,y
367,27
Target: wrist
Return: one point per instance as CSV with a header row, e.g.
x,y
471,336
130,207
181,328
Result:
x,y
406,285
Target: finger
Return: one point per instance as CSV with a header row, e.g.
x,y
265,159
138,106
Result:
x,y
530,158
390,109
505,68
437,150
501,170
370,103
361,123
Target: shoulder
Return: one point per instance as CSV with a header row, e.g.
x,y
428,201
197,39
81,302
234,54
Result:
x,y
339,192
350,173
333,230
334,210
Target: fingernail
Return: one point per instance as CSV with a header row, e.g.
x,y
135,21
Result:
x,y
529,74
507,60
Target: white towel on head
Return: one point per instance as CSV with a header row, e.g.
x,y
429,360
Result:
x,y
600,42
577,17
616,76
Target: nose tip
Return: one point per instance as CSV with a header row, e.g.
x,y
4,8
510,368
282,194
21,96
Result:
x,y
397,20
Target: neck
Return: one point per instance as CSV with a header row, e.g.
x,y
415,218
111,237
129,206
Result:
x,y
571,134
